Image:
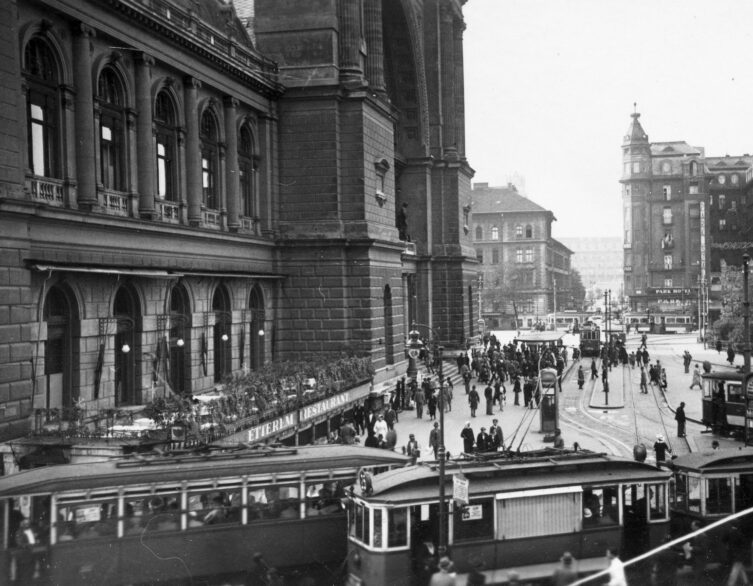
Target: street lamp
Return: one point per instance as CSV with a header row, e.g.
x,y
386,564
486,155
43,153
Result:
x,y
442,513
414,347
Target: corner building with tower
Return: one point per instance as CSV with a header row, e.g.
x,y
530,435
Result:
x,y
224,183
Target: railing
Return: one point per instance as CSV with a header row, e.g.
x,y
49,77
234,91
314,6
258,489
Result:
x,y
116,203
169,212
46,190
212,219
250,225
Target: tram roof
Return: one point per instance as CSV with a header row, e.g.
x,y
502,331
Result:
x,y
538,337
175,468
541,469
723,375
726,460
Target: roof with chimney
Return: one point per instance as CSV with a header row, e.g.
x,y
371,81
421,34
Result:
x,y
487,200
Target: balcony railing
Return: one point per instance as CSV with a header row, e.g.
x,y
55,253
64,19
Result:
x,y
212,219
169,212
115,203
46,190
250,225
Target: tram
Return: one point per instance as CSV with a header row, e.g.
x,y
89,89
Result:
x,y
522,512
708,487
590,340
172,518
660,323
724,402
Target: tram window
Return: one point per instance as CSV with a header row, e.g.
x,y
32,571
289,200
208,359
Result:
x,y
212,507
708,388
680,493
694,493
548,514
358,521
474,521
89,519
743,492
735,393
278,501
323,498
397,528
152,512
36,509
657,502
718,496
600,506
376,540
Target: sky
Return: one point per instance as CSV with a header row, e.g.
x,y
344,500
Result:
x,y
550,86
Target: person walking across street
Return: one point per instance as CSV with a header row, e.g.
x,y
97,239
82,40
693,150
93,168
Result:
x,y
473,400
696,378
680,419
434,439
581,378
594,370
686,360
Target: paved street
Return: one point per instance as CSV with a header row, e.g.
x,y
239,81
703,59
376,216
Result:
x,y
611,424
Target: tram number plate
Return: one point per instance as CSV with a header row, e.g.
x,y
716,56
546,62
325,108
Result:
x,y
472,513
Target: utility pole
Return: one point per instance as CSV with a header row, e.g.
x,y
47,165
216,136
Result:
x,y
746,315
554,299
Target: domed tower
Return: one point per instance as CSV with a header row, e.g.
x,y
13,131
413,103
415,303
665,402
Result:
x,y
636,187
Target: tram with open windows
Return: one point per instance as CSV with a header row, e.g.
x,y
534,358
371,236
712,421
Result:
x,y
724,401
522,512
179,517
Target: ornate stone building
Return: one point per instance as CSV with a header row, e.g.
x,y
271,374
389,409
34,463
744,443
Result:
x,y
187,190
521,262
664,190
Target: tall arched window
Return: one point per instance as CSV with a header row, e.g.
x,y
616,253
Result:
x,y
112,130
42,109
180,340
693,168
246,174
166,138
223,341
58,354
127,347
389,336
209,161
256,339
529,231
479,233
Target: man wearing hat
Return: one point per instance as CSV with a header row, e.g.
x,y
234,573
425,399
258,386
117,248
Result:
x,y
482,441
565,573
444,575
680,419
660,449
412,448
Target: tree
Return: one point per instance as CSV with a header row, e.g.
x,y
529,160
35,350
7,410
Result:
x,y
577,289
507,290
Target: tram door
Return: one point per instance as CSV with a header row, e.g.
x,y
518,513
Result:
x,y
634,520
424,539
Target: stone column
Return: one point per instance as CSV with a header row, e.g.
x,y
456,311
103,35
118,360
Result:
x,y
86,172
351,70
145,136
447,62
374,45
231,164
459,88
193,152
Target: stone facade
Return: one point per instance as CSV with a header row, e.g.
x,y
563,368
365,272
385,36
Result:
x,y
192,200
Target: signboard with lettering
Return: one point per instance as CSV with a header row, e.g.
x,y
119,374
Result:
x,y
272,427
472,513
668,291
324,406
460,488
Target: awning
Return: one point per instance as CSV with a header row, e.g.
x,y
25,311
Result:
x,y
108,271
152,273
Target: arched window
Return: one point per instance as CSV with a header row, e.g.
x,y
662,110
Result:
x,y
42,109
693,168
389,336
529,231
127,347
180,340
258,317
209,160
166,138
223,340
479,233
58,355
246,173
112,130
495,233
